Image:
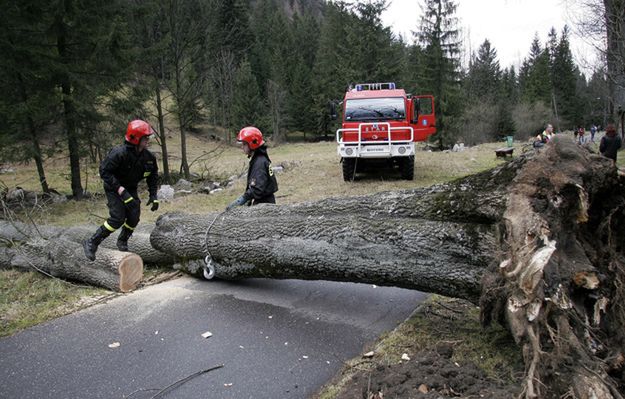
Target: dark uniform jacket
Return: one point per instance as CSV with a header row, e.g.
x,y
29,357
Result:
x,y
609,146
261,182
126,167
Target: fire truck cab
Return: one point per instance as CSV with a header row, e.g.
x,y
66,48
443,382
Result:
x,y
382,122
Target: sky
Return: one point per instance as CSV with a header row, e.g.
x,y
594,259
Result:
x,y
509,25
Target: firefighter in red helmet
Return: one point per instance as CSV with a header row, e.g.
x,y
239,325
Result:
x,y
121,171
261,182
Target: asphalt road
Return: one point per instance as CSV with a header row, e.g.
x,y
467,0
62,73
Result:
x,y
275,339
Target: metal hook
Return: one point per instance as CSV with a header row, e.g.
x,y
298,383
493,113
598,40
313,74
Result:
x,y
209,269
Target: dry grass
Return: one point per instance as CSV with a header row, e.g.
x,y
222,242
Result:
x,y
312,172
29,298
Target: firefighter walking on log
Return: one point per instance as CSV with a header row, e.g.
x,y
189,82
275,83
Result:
x,y
121,171
261,182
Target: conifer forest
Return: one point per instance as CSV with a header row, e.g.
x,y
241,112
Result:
x,y
73,73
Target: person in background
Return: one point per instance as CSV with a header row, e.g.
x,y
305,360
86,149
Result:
x,y
593,131
548,132
610,143
582,137
261,182
121,171
544,137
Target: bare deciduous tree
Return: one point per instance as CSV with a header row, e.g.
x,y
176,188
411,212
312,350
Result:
x,y
603,22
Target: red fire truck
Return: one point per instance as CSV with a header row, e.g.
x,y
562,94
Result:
x,y
382,122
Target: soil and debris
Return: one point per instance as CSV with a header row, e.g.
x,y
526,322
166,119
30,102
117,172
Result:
x,y
451,356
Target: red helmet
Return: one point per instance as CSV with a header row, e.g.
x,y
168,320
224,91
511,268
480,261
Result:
x,y
136,130
252,136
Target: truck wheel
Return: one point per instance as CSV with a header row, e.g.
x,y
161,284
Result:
x,y
406,168
349,168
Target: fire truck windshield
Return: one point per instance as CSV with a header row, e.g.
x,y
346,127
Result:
x,y
369,109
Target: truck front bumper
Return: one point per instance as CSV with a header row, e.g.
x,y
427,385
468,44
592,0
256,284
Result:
x,y
381,150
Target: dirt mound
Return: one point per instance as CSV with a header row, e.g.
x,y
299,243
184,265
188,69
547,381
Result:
x,y
431,374
440,352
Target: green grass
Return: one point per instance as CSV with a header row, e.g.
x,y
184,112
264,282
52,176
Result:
x,y
29,298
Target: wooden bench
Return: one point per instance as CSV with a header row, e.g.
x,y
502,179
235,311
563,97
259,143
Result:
x,y
503,152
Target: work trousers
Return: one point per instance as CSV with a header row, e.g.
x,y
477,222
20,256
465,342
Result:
x,y
121,214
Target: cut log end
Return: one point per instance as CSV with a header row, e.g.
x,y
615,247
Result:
x,y
130,272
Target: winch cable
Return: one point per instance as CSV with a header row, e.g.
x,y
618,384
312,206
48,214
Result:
x,y
209,269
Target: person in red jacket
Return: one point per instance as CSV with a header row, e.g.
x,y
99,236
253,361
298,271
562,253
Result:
x,y
261,182
121,171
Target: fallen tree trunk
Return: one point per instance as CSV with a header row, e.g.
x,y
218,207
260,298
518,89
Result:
x,y
114,270
537,241
139,243
437,239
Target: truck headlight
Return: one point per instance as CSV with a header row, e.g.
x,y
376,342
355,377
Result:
x,y
401,150
349,151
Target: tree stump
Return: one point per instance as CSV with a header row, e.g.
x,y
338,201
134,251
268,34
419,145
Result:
x,y
114,270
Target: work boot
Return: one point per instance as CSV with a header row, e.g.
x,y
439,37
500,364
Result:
x,y
122,240
91,245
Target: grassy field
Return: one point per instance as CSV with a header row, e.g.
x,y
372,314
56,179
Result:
x,y
311,172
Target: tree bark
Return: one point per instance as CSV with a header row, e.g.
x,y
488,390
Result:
x,y
438,239
139,243
69,110
161,132
114,270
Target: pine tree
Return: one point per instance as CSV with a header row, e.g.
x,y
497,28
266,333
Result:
x,y
438,36
371,54
247,105
484,74
331,70
152,40
535,75
565,76
301,105
230,28
507,98
90,59
28,102
260,52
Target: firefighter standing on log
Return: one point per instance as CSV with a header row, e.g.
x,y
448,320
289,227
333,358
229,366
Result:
x,y
261,182
121,171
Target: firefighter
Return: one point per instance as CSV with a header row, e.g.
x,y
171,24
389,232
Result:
x,y
261,182
121,171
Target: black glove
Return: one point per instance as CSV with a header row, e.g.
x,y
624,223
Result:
x,y
237,202
154,202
